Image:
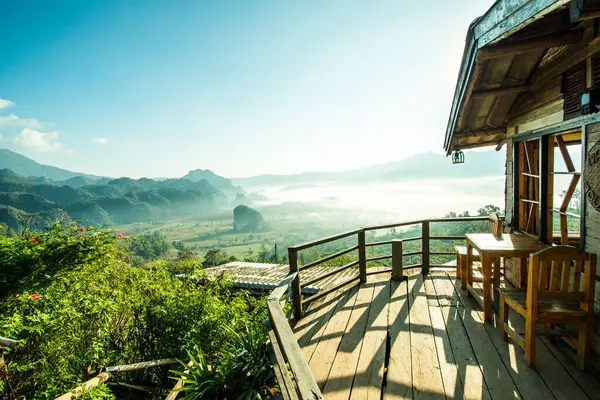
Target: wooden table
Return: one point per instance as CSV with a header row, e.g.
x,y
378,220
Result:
x,y
491,248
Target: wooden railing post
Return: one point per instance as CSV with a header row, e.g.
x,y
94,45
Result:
x,y
362,256
397,272
425,247
296,290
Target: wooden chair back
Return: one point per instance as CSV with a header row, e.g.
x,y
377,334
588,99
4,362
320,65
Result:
x,y
556,272
494,224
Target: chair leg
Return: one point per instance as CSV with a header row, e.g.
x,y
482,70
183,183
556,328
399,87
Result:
x,y
503,317
583,345
530,341
458,266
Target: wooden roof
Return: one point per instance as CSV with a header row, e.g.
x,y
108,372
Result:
x,y
504,49
262,276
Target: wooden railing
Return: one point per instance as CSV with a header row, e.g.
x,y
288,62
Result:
x,y
291,370
396,255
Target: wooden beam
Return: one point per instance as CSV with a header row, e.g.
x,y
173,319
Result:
x,y
500,91
536,43
565,153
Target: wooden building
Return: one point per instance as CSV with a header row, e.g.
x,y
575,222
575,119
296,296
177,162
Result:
x,y
529,84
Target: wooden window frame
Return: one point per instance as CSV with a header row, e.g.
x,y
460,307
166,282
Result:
x,y
533,175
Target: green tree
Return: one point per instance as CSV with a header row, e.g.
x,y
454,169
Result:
x,y
216,257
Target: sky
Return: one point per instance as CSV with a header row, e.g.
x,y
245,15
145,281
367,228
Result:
x,y
157,88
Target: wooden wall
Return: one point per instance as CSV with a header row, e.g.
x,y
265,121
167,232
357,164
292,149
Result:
x,y
537,109
592,233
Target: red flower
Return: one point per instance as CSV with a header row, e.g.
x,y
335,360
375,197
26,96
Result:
x,y
82,228
35,296
34,240
120,234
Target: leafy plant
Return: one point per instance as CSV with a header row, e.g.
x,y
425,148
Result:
x,y
242,372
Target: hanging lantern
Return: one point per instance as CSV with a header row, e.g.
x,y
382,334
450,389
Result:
x,y
458,157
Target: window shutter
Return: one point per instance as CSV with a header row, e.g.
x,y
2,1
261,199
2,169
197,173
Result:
x,y
596,72
573,86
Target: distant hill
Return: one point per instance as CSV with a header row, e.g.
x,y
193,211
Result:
x,y
25,166
221,183
119,201
420,166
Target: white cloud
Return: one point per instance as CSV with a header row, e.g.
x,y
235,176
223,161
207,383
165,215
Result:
x,y
0,138
6,103
38,141
13,120
100,140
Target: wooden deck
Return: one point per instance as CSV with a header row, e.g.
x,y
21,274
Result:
x,y
424,338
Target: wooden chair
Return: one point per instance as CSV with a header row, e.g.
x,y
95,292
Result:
x,y
495,227
554,296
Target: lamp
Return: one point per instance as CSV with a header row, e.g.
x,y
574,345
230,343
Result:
x,y
589,101
458,157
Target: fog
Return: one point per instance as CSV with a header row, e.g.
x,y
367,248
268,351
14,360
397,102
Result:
x,y
393,201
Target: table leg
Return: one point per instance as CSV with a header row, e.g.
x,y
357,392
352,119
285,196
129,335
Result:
x,y
467,278
523,272
487,286
496,261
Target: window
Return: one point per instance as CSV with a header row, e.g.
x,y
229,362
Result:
x,y
573,86
529,197
566,178
547,173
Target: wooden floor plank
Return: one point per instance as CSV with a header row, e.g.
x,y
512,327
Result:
x,y
341,377
453,384
427,378
309,348
368,381
528,381
311,317
399,376
496,375
324,354
550,370
469,371
588,382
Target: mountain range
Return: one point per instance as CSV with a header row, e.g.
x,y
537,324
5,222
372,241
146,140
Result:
x,y
28,188
419,166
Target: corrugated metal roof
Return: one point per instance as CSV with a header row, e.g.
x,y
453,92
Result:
x,y
263,276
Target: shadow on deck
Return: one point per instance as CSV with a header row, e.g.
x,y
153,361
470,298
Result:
x,y
424,338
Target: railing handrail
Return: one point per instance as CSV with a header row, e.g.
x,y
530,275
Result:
x,y
324,240
420,221
288,350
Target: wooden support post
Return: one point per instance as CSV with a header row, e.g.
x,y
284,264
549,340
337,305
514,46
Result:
x,y
397,272
296,290
516,174
544,195
362,256
425,247
95,381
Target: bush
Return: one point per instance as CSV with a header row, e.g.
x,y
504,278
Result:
x,y
95,310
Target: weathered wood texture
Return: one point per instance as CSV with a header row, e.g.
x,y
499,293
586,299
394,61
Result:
x,y
437,347
592,235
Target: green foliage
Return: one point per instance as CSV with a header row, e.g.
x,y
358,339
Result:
x,y
149,246
216,257
86,308
101,392
242,372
